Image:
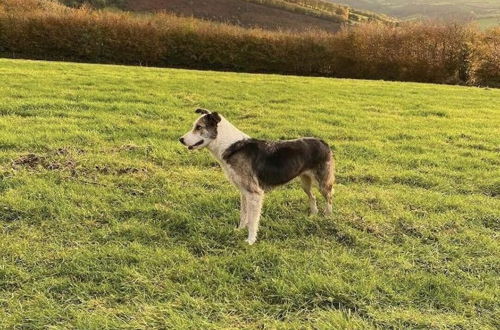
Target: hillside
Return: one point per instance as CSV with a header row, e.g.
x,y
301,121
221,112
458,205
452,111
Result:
x,y
483,11
238,12
291,15
108,222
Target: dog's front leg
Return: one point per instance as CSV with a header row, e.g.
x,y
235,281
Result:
x,y
254,207
243,210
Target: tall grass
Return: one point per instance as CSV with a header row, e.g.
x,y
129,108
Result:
x,y
423,52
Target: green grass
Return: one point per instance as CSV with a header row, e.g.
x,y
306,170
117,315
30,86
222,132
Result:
x,y
107,222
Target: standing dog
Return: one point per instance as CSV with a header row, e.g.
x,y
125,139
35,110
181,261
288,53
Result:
x,y
255,166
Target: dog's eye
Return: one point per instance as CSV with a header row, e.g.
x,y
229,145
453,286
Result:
x,y
197,127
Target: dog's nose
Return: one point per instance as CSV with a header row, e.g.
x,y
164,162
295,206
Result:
x,y
181,140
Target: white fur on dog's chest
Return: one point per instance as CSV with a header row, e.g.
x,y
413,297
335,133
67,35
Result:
x,y
227,135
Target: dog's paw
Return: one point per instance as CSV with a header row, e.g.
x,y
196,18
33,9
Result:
x,y
240,227
250,241
313,212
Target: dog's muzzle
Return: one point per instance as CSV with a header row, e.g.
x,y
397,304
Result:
x,y
195,145
181,140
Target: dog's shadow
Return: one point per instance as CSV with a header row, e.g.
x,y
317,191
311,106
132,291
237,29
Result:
x,y
208,225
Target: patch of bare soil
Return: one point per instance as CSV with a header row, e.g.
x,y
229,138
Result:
x,y
62,160
34,161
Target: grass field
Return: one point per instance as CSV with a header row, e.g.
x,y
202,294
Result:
x,y
428,8
486,23
106,221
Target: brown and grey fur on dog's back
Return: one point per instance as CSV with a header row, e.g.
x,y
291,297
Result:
x,y
274,163
263,165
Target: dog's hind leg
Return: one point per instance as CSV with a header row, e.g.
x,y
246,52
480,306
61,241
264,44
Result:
x,y
327,194
325,175
254,207
243,211
306,182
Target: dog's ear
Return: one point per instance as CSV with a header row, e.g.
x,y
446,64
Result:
x,y
216,117
202,111
213,118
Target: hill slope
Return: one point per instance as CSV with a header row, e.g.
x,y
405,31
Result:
x,y
296,15
238,12
107,221
480,10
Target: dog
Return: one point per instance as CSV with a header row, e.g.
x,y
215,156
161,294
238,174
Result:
x,y
255,166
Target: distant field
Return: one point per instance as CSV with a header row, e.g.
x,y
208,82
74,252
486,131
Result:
x,y
238,12
108,222
477,9
295,15
486,23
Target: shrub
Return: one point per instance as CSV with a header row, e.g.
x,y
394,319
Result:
x,y
486,63
424,52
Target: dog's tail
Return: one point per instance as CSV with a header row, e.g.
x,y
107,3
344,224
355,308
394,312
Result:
x,y
326,175
329,179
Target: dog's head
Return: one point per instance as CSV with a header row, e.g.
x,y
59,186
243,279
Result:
x,y
204,130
